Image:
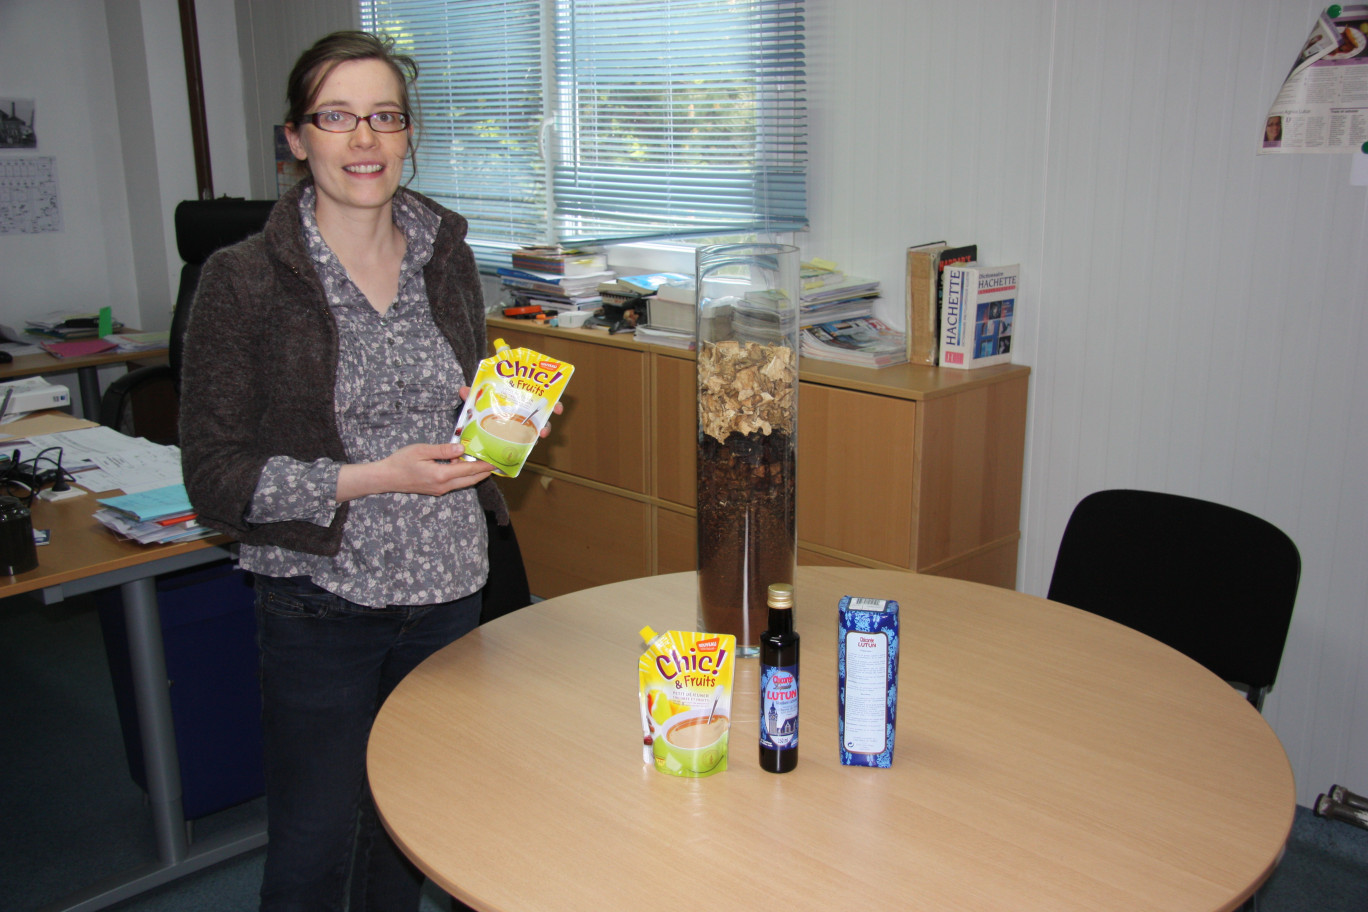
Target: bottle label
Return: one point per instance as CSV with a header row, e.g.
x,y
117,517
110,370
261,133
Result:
x,y
779,707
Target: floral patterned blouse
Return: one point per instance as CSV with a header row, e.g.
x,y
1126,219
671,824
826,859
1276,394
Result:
x,y
398,383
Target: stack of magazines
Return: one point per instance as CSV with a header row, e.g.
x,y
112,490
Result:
x,y
160,515
762,316
843,298
863,341
664,335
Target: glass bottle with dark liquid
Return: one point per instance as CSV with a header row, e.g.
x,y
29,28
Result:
x,y
779,684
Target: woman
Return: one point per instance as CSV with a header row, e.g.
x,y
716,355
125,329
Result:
x,y
325,361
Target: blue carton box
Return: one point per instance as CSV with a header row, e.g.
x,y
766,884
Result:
x,y
867,675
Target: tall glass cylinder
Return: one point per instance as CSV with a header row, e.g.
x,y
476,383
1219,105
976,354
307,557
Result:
x,y
747,433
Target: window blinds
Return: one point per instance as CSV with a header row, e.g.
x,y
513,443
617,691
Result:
x,y
595,120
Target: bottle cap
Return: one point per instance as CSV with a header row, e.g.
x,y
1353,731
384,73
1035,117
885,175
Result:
x,y
647,634
1333,11
781,595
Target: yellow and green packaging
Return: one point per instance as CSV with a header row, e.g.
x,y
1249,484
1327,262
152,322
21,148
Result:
x,y
511,399
685,693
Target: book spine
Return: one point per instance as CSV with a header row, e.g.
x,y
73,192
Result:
x,y
921,306
961,289
950,256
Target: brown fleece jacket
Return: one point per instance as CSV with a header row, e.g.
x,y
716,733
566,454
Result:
x,y
260,365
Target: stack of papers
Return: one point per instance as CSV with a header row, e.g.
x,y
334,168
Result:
x,y
160,515
663,335
63,326
159,504
100,459
140,341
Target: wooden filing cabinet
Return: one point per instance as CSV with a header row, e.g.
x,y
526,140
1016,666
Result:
x,y
907,467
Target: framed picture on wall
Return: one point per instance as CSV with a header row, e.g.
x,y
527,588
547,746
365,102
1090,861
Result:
x,y
16,124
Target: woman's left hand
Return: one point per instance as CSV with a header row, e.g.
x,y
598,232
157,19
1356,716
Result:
x,y
419,468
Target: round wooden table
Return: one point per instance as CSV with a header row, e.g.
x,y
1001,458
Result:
x,y
1046,759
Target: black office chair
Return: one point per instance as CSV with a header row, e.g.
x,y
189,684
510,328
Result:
x,y
1213,582
144,402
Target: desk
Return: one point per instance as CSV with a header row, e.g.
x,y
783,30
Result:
x,y
1046,759
86,368
83,557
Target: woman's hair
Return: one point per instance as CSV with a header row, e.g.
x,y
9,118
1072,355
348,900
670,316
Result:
x,y
315,64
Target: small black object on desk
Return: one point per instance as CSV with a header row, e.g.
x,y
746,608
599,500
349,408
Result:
x,y
17,551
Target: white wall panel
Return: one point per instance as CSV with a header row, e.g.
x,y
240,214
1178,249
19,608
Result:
x,y
1193,312
272,35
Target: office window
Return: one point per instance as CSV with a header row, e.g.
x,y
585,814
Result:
x,y
598,120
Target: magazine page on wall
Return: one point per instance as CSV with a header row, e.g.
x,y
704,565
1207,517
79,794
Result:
x,y
1323,105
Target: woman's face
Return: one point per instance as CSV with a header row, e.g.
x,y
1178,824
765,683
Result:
x,y
362,169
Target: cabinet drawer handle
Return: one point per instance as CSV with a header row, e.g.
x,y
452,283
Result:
x,y
545,482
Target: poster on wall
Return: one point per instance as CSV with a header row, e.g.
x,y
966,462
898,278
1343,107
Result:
x,y
1323,104
28,195
16,124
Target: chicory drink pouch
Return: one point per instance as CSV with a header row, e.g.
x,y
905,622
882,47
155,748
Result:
x,y
685,692
510,401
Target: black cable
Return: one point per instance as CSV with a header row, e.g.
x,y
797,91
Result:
x,y
59,484
31,475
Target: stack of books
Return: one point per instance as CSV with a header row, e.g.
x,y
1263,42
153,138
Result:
x,y
554,292
160,515
674,306
926,265
632,288
561,261
863,341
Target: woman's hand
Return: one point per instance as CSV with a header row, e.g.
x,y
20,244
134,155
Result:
x,y
419,468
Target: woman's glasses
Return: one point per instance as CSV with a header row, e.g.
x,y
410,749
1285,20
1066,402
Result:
x,y
344,122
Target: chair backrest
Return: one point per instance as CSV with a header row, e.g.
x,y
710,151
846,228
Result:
x,y
145,402
1213,582
203,226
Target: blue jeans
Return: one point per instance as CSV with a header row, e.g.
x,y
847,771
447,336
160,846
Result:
x,y
326,667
